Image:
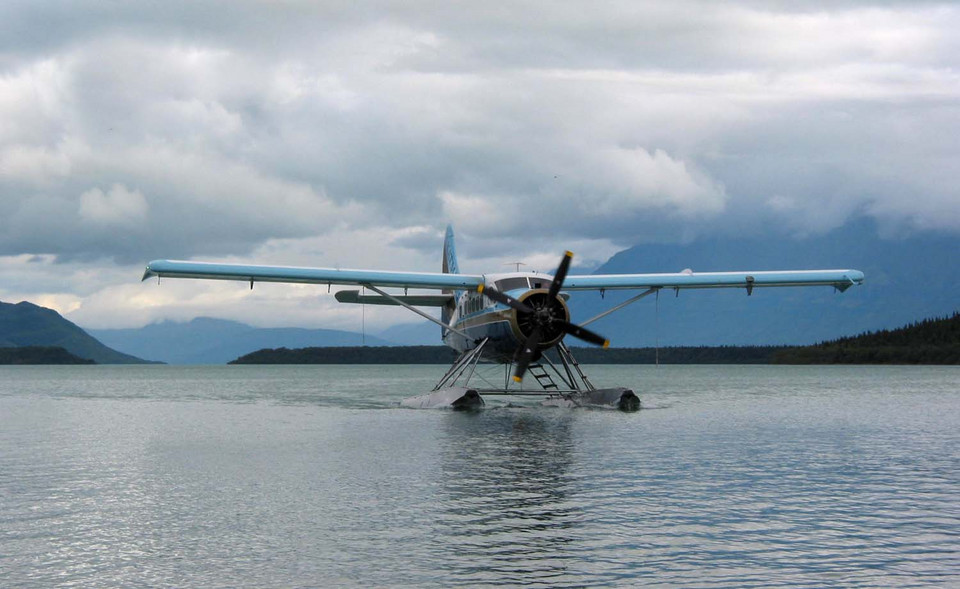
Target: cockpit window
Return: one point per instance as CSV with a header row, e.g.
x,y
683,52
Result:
x,y
512,283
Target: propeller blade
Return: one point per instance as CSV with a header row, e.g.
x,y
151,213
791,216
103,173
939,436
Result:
x,y
505,299
583,333
561,274
526,354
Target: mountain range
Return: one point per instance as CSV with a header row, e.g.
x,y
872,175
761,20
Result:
x,y
25,324
907,279
205,340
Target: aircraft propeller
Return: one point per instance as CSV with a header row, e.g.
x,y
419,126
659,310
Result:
x,y
542,316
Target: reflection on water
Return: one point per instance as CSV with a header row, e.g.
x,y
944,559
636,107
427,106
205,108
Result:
x,y
313,477
505,477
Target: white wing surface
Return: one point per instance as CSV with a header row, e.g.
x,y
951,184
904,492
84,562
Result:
x,y
840,279
255,273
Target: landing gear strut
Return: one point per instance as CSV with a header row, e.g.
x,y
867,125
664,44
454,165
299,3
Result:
x,y
563,385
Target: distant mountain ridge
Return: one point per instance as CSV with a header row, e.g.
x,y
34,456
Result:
x,y
906,278
206,340
25,324
916,276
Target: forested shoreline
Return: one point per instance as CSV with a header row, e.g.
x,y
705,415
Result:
x,y
39,355
932,341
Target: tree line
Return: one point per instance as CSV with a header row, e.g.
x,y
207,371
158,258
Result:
x,y
931,341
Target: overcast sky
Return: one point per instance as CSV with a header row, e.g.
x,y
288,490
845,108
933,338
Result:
x,y
348,134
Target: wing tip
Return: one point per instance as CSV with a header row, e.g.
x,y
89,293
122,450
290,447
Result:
x,y
150,270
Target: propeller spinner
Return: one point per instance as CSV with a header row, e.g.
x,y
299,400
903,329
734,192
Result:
x,y
543,318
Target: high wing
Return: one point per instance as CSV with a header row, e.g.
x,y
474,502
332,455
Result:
x,y
839,279
252,273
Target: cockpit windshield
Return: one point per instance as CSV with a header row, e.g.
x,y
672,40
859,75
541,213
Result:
x,y
512,284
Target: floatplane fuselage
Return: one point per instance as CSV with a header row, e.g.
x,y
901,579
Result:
x,y
478,317
509,318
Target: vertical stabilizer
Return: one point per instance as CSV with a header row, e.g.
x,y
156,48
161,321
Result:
x,y
450,266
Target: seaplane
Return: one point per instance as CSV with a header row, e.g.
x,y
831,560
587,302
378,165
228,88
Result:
x,y
507,318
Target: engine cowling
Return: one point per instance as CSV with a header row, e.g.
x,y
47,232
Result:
x,y
547,311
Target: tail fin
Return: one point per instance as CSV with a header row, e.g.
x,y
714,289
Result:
x,y
450,266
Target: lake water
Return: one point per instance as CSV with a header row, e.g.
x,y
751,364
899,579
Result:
x,y
311,476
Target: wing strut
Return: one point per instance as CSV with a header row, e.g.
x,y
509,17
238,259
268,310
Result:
x,y
622,305
416,310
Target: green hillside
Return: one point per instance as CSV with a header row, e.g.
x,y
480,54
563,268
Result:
x,y
39,355
25,324
932,341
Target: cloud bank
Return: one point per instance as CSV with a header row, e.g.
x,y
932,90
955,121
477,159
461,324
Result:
x,y
304,132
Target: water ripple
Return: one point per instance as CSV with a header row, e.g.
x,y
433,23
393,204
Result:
x,y
222,478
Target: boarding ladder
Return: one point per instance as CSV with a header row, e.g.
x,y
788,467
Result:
x,y
543,377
